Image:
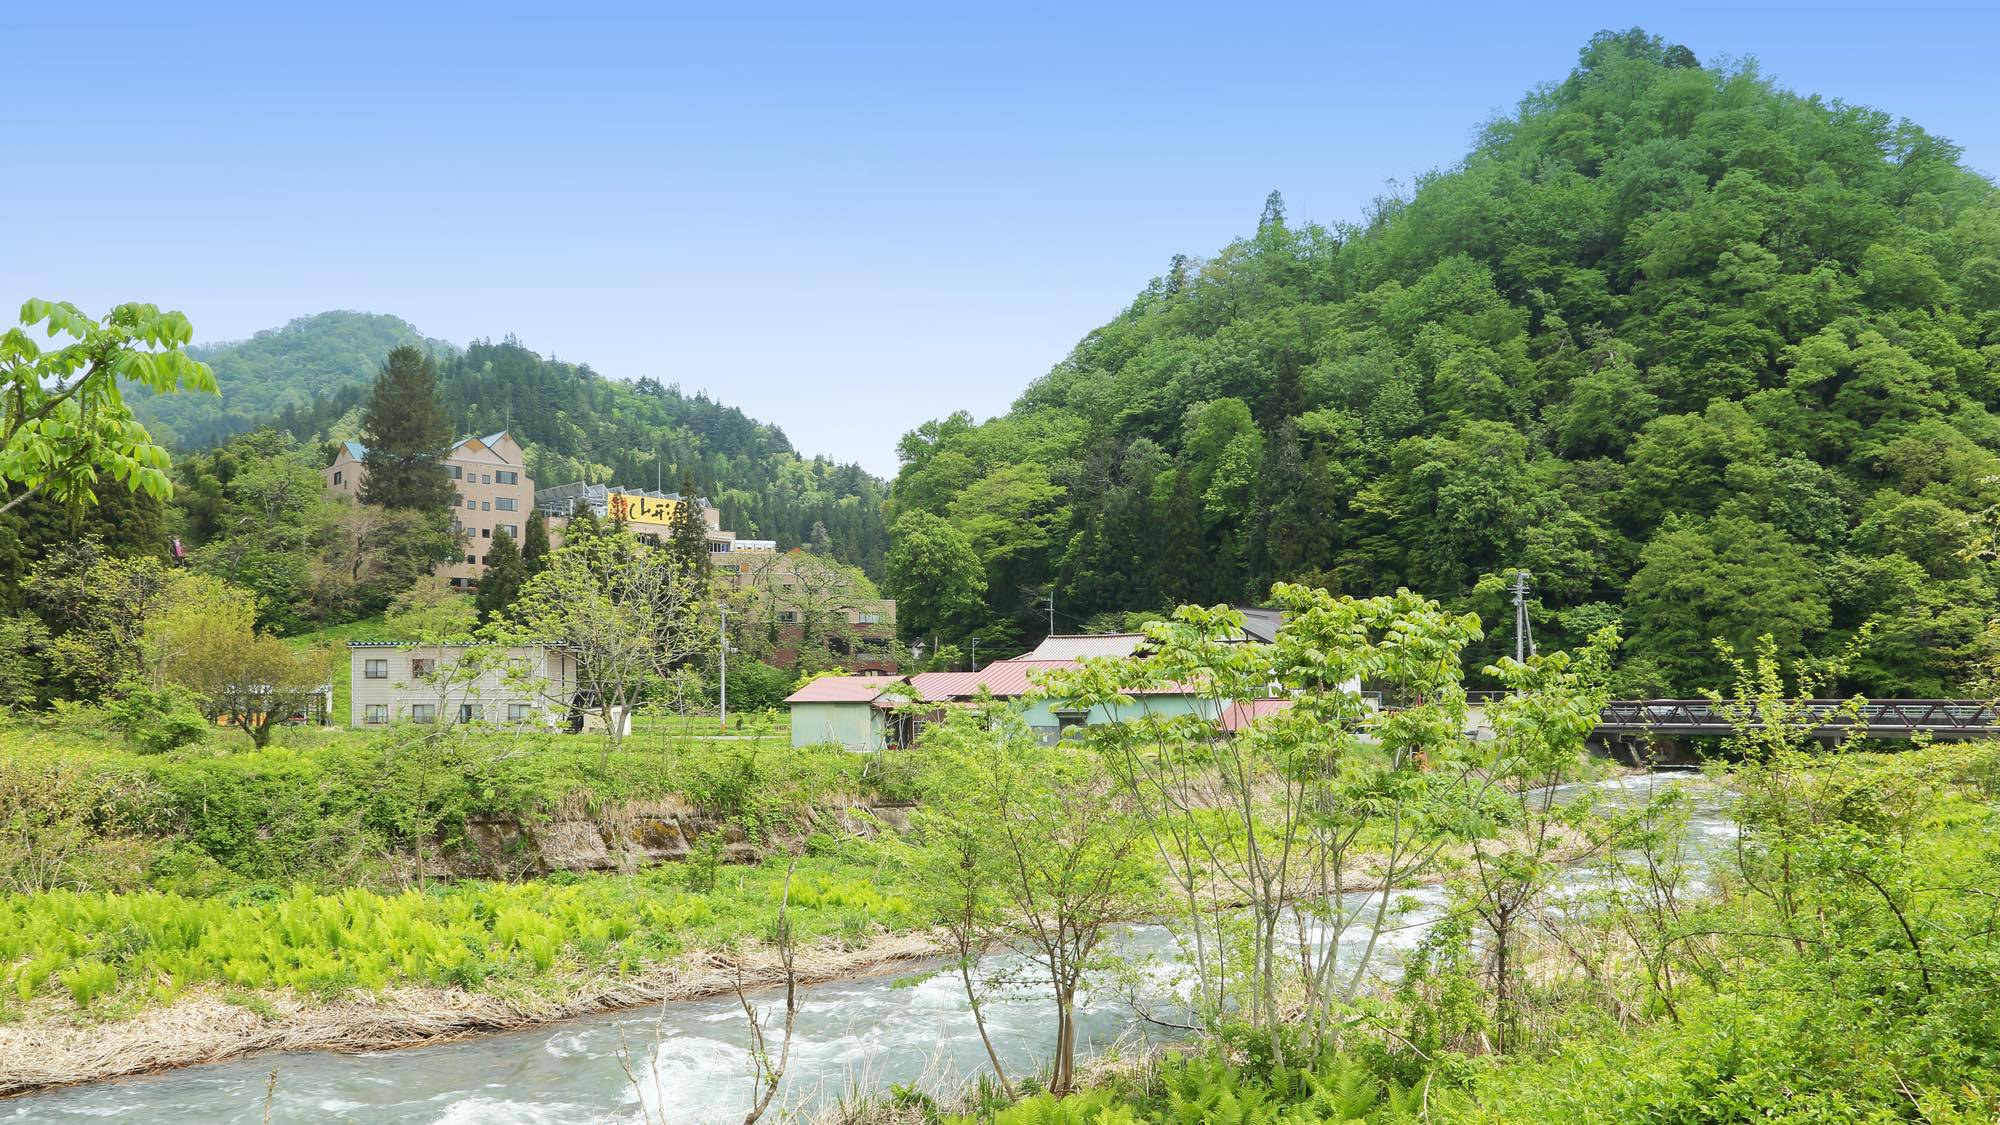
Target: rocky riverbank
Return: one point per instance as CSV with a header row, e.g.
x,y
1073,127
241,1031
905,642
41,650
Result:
x,y
212,1025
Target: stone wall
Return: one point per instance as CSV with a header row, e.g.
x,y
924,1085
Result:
x,y
632,837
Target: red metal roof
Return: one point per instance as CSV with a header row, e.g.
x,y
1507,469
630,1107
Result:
x,y
935,687
1076,647
843,689
1006,679
1243,712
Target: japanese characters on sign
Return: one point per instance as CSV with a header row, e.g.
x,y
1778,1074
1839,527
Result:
x,y
640,509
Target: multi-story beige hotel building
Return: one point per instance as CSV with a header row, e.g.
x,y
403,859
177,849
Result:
x,y
494,494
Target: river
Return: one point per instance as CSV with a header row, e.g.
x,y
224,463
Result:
x,y
689,1057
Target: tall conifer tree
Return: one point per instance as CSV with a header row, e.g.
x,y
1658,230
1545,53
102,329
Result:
x,y
689,541
505,574
408,434
535,543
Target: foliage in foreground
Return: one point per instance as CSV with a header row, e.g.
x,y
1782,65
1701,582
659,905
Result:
x,y
1857,986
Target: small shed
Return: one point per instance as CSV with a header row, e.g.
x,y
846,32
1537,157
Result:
x,y
848,711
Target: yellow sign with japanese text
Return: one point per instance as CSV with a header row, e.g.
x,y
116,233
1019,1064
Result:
x,y
640,509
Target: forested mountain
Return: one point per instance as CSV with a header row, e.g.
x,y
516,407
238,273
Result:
x,y
1708,357
277,368
579,425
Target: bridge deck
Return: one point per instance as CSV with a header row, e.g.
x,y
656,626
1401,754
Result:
x,y
1882,718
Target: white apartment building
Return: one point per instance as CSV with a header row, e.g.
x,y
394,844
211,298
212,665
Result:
x,y
526,686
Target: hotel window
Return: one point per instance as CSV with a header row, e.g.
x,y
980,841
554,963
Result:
x,y
506,504
422,666
377,713
517,712
423,712
336,476
456,472
375,669
470,712
505,477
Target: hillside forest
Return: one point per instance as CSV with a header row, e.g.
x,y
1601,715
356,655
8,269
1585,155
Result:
x,y
1707,357
309,380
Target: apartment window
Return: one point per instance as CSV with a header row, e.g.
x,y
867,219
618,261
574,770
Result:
x,y
423,712
486,478
788,617
470,560
505,476
482,560
513,530
336,476
470,712
375,669
517,712
422,666
486,533
376,713
456,472
485,506
506,504
869,619
471,503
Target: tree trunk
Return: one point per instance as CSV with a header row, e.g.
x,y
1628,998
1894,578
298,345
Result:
x,y
1065,1061
979,1021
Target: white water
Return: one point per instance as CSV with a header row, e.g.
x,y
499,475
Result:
x,y
852,1036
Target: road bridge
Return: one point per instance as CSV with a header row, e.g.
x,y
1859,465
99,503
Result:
x,y
1878,718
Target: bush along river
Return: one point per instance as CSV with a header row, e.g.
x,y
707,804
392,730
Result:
x,y
688,1059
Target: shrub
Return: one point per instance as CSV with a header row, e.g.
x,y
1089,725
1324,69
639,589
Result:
x,y
156,720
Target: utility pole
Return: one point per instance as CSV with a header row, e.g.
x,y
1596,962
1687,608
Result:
x,y
1052,610
1524,644
722,649
975,654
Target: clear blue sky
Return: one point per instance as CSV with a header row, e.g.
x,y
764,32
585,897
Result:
x,y
845,219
